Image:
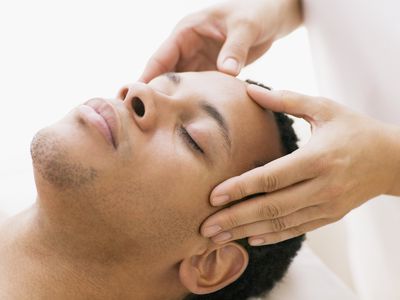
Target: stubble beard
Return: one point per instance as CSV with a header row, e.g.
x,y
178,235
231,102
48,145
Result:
x,y
53,163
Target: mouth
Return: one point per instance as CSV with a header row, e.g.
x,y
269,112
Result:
x,y
104,117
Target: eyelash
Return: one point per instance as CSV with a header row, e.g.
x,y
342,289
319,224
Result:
x,y
186,136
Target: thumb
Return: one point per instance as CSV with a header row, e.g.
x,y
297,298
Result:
x,y
233,55
312,109
163,60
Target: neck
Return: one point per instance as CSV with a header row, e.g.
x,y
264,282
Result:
x,y
72,256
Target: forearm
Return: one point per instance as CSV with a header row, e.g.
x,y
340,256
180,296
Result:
x,y
394,142
291,14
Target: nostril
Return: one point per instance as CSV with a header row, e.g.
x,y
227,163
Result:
x,y
138,106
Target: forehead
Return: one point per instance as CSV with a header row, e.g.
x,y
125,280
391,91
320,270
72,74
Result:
x,y
227,93
252,129
218,88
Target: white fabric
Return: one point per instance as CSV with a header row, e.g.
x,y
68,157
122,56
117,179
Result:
x,y
309,279
356,51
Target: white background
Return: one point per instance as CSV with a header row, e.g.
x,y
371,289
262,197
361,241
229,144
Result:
x,y
55,55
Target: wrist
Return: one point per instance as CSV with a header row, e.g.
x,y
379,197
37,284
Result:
x,y
291,16
394,144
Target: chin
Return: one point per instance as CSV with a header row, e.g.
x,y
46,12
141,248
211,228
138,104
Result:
x,y
59,159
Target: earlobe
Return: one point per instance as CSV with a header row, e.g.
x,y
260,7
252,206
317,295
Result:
x,y
217,267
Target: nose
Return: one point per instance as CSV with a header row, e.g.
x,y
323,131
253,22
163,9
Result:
x,y
139,99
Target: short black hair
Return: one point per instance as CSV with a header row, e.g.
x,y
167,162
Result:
x,y
267,264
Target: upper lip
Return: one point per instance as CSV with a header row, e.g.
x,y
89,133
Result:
x,y
108,112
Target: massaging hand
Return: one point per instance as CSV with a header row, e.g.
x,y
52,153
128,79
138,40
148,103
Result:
x,y
349,159
226,37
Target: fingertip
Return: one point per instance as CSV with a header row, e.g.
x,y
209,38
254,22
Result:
x,y
263,96
143,79
210,230
219,196
231,66
156,66
256,242
148,75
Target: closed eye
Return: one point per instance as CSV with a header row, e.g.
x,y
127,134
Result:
x,y
189,140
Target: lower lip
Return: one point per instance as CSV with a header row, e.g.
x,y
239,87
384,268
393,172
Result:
x,y
92,117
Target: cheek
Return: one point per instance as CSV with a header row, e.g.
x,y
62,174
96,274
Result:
x,y
161,186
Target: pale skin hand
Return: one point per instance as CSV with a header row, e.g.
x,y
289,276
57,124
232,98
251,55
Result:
x,y
225,37
349,159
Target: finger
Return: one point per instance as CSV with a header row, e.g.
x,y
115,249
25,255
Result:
x,y
277,174
276,237
307,107
233,54
164,60
297,218
266,207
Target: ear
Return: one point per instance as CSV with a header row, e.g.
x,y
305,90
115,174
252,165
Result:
x,y
216,268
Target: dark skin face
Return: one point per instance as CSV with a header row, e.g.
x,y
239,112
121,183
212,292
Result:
x,y
150,193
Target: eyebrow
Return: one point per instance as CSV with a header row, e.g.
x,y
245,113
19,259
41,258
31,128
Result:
x,y
213,112
209,109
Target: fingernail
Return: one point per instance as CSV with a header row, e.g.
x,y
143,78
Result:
x,y
256,242
224,236
231,64
211,230
219,200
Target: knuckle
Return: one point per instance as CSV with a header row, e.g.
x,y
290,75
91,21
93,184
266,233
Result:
x,y
269,182
241,189
278,224
285,97
231,219
285,94
329,160
322,163
287,100
268,211
239,48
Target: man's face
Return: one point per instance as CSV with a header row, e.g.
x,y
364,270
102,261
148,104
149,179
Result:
x,y
175,139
